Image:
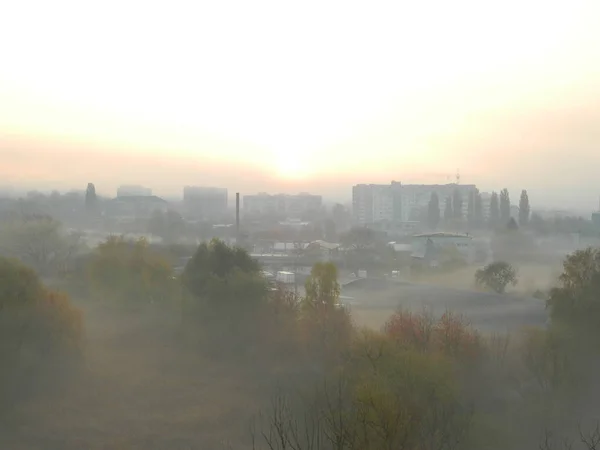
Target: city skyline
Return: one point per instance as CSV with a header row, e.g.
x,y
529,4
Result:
x,y
411,97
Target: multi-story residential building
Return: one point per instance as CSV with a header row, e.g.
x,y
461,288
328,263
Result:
x,y
416,196
486,201
133,191
373,203
205,201
396,202
293,206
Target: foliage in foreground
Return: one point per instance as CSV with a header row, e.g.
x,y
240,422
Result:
x,y
130,272
38,327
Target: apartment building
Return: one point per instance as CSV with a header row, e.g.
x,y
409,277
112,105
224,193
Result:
x,y
373,203
292,206
401,203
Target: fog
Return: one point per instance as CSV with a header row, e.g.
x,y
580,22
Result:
x,y
299,227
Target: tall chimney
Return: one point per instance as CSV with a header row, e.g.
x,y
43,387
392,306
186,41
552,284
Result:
x,y
237,217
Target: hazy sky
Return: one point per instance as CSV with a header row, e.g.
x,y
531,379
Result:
x,y
311,96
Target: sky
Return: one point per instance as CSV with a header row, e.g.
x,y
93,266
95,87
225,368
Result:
x,y
302,96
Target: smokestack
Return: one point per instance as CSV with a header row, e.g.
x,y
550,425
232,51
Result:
x,y
237,217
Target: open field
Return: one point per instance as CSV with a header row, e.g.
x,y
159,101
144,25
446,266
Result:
x,y
373,301
531,277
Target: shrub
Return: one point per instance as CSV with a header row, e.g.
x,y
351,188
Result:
x,y
451,335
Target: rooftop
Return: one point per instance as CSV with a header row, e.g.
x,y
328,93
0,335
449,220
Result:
x,y
442,235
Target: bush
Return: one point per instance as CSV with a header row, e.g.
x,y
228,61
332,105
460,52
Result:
x,y
40,331
496,276
450,335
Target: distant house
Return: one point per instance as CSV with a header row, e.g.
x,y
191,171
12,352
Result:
x,y
135,207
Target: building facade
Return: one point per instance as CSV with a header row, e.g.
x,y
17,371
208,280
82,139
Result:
x,y
205,202
293,206
396,202
375,203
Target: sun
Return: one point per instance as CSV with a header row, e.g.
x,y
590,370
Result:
x,y
292,166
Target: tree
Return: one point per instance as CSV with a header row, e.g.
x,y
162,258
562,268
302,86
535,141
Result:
x,y
496,276
494,209
524,208
504,205
224,279
130,272
576,300
448,214
91,199
40,330
457,204
512,224
39,242
433,211
322,287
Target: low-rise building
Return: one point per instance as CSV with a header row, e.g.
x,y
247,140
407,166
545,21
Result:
x,y
422,244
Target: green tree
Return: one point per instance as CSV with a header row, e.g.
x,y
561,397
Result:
x,y
224,278
494,210
496,276
504,205
322,287
524,208
433,211
576,300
